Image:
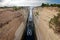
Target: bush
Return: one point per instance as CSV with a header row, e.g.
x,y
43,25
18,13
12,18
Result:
x,y
17,8
54,23
48,5
37,13
45,5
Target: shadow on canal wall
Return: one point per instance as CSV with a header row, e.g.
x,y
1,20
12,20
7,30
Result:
x,y
29,26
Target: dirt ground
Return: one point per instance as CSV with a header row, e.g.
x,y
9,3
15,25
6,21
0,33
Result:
x,y
10,21
41,21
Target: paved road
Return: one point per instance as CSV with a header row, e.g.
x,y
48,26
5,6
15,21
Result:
x,y
29,32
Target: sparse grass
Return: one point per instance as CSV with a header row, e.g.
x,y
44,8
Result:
x,y
55,20
50,23
17,8
59,10
36,14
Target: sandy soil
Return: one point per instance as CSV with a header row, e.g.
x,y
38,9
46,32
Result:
x,y
42,23
10,21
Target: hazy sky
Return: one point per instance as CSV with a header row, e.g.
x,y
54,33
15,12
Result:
x,y
26,2
55,1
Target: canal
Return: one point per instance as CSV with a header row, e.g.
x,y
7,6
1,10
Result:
x,y
29,32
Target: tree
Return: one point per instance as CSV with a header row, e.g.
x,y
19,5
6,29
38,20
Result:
x,y
45,5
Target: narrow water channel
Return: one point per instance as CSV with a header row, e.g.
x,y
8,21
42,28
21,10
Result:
x,y
29,32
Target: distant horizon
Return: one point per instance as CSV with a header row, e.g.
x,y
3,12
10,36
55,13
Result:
x,y
10,3
28,6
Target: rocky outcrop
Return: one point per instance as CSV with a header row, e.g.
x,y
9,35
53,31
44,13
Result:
x,y
43,31
10,21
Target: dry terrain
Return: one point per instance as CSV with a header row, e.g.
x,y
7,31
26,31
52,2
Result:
x,y
10,21
42,17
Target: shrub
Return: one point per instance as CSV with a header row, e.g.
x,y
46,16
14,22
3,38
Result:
x,y
36,14
56,22
48,5
15,8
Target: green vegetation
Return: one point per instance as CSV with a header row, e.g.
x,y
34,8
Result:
x,y
59,10
4,7
45,5
56,22
50,5
17,8
36,14
14,7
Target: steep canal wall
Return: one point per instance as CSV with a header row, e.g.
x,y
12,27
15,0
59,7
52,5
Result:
x,y
42,17
20,30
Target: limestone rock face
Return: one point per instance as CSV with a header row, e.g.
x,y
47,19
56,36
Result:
x,y
55,23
